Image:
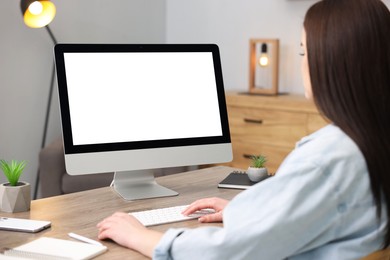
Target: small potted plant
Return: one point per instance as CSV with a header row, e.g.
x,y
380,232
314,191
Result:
x,y
15,196
257,171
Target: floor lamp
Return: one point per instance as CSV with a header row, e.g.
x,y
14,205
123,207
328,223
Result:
x,y
38,14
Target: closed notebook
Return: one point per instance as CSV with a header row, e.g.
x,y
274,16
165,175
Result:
x,y
53,248
236,180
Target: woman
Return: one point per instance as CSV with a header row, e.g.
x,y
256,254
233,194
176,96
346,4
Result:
x,y
330,197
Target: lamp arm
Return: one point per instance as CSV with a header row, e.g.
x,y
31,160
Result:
x,y
47,110
51,34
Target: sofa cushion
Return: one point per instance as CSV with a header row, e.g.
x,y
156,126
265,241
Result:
x,y
77,183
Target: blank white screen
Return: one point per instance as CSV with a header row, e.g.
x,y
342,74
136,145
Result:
x,y
124,97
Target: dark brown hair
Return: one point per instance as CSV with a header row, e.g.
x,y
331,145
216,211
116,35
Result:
x,y
348,48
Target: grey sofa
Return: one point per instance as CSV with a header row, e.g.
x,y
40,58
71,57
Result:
x,y
54,180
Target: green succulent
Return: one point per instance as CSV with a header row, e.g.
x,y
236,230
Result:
x,y
12,170
258,161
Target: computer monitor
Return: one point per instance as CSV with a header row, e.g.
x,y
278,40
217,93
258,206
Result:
x,y
132,108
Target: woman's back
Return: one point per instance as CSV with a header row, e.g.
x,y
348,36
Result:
x,y
321,195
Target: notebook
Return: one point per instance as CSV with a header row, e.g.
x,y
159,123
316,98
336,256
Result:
x,y
236,180
53,248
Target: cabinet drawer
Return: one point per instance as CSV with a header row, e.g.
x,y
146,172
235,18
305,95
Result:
x,y
243,150
276,128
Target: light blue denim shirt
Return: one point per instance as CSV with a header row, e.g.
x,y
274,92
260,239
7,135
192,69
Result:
x,y
319,205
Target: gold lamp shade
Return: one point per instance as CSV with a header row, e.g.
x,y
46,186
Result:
x,y
37,14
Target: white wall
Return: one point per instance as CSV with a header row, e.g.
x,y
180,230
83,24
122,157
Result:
x,y
26,62
231,23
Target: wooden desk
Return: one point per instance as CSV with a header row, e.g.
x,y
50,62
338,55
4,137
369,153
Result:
x,y
80,212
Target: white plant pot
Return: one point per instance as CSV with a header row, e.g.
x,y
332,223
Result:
x,y
15,198
257,174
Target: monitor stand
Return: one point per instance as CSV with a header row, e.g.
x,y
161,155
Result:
x,y
140,184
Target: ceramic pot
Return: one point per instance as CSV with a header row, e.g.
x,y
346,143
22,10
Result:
x,y
15,198
257,174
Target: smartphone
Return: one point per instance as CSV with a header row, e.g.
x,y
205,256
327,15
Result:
x,y
23,225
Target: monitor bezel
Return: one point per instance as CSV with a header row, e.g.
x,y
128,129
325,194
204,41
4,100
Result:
x,y
70,148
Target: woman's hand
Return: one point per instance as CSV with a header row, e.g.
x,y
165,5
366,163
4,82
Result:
x,y
127,231
216,204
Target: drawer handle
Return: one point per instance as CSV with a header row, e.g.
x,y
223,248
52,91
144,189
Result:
x,y
253,121
247,156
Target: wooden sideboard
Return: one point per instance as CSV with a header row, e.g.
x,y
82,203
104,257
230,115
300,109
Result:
x,y
268,125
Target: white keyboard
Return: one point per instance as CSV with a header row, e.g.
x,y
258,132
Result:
x,y
167,215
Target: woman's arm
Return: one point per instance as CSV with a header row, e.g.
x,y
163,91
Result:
x,y
129,232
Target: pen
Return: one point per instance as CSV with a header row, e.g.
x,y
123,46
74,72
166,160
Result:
x,y
85,239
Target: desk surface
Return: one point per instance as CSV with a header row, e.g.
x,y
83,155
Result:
x,y
80,212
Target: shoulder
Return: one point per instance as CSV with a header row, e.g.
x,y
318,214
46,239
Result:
x,y
330,157
330,138
327,146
